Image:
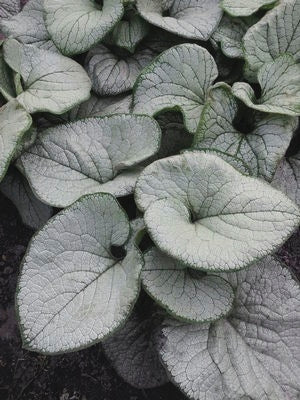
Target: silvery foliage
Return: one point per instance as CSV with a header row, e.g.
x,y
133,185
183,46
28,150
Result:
x,y
109,99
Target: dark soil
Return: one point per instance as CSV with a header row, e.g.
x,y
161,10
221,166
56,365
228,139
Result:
x,y
84,375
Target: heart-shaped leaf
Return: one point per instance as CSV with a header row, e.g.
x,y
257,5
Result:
x,y
277,33
186,294
280,86
194,19
176,80
253,353
89,156
73,291
77,25
14,122
226,220
51,81
259,139
111,74
243,8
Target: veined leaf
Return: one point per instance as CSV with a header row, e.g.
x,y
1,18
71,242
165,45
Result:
x,y
243,8
176,80
73,291
6,80
89,156
9,8
226,220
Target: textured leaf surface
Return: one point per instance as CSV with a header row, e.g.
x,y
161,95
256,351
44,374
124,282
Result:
x,y
243,8
186,294
194,19
77,25
280,85
6,79
88,156
277,33
132,349
14,122
226,220
9,8
111,74
72,291
28,26
287,177
253,354
178,79
51,81
32,211
261,148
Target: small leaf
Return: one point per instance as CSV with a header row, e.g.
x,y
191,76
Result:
x,y
9,8
14,122
243,8
277,33
29,26
32,211
111,74
77,25
6,80
89,156
260,141
253,353
194,19
226,220
178,79
280,84
72,292
51,81
186,294
287,177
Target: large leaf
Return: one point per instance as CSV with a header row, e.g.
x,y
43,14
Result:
x,y
32,211
280,86
9,8
111,74
263,141
51,82
89,156
226,220
178,79
253,353
77,25
277,33
72,290
287,177
243,8
14,122
195,19
187,294
6,80
28,26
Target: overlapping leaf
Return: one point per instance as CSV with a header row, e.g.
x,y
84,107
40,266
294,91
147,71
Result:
x,y
6,79
243,8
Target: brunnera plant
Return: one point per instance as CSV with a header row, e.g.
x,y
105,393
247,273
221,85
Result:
x,y
163,131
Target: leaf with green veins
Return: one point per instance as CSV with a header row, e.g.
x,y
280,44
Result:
x,y
52,82
226,220
186,294
194,19
132,349
128,33
72,291
229,35
32,211
287,177
6,80
176,80
77,25
277,33
259,139
14,122
244,8
89,156
280,86
111,74
29,26
9,8
253,353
